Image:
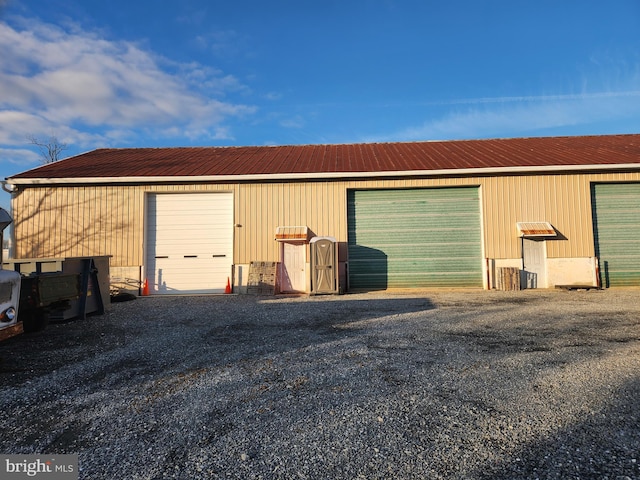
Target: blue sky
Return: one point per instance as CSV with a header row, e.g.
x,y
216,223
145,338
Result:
x,y
142,73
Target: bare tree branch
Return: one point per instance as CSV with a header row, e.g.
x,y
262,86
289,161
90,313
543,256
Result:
x,y
50,148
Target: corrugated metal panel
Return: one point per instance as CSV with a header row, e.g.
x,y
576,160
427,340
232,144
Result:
x,y
60,221
616,224
299,233
562,200
263,207
79,221
358,158
415,238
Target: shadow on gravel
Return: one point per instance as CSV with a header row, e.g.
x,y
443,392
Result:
x,y
33,354
582,451
272,326
182,333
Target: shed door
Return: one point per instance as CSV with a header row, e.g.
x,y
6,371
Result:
x,y
292,268
414,238
616,225
189,242
534,254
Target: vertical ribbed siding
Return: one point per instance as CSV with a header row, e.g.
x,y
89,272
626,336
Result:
x,y
79,221
109,220
415,238
92,220
562,200
262,208
616,225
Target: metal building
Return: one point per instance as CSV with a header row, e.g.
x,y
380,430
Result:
x,y
565,210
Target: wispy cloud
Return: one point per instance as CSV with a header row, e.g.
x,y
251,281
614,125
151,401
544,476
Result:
x,y
70,81
541,98
296,121
223,43
516,115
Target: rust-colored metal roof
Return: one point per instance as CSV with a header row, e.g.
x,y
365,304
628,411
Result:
x,y
321,160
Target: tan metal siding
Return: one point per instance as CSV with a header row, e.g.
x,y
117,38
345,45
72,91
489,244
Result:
x,y
77,221
109,220
562,200
263,207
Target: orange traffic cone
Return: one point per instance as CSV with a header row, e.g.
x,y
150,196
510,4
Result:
x,y
145,288
228,287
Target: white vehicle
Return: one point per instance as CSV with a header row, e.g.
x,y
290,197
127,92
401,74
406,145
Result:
x,y
9,291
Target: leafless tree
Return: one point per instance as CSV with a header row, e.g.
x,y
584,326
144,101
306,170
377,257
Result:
x,y
50,148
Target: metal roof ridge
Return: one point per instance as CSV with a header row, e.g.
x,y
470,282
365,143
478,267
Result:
x,y
362,143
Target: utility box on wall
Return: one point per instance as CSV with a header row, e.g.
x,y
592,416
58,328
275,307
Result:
x,y
325,274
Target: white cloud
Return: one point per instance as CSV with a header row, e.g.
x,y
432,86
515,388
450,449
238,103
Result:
x,y
19,156
69,81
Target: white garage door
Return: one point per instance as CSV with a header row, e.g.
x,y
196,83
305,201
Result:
x,y
189,242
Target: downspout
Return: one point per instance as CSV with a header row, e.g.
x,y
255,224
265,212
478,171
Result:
x,y
523,274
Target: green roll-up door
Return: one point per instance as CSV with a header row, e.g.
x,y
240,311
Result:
x,y
616,227
414,238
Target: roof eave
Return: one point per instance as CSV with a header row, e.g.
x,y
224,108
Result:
x,y
323,176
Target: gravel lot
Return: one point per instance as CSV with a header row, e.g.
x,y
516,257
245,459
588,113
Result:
x,y
442,384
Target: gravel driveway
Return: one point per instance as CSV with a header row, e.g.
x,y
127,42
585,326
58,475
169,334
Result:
x,y
413,385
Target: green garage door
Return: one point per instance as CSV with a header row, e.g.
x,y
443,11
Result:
x,y
616,227
414,238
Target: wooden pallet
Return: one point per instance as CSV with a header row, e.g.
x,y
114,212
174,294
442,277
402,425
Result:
x,y
507,278
262,278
